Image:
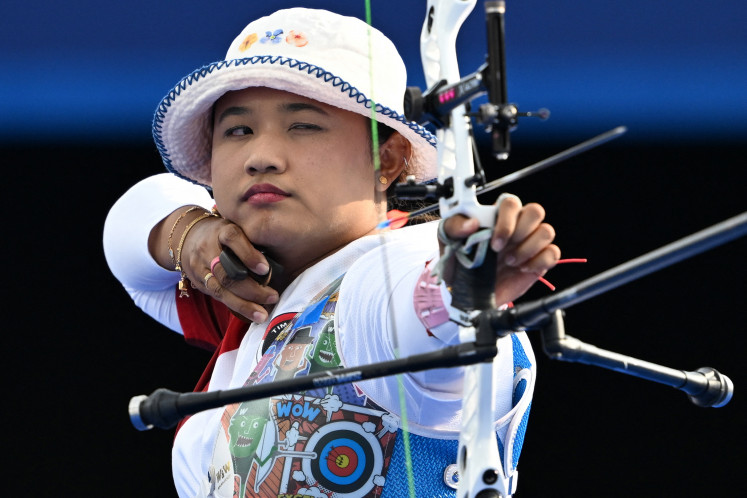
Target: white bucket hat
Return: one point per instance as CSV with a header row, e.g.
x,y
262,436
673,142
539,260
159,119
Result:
x,y
314,53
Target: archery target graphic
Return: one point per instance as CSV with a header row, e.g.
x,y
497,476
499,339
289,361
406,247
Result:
x,y
349,459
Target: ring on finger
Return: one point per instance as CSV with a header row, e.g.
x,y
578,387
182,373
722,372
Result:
x,y
214,262
207,277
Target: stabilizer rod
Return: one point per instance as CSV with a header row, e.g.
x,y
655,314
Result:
x,y
705,387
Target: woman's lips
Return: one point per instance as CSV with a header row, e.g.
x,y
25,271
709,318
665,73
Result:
x,y
265,193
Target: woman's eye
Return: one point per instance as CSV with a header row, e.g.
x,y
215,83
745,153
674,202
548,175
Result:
x,y
238,131
305,126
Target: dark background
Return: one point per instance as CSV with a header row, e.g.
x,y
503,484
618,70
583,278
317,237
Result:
x,y
78,87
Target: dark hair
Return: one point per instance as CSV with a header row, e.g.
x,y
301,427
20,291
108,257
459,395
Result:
x,y
383,131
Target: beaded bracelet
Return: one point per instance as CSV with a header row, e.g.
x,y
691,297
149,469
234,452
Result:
x,y
183,281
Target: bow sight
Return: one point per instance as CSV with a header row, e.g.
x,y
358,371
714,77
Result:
x,y
497,115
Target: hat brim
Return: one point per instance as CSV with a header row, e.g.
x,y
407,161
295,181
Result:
x,y
182,123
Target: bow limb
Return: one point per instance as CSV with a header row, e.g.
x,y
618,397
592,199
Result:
x,y
443,20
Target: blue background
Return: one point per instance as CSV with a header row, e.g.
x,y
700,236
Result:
x,y
92,70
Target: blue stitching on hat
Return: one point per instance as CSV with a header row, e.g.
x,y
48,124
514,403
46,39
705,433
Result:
x,y
310,69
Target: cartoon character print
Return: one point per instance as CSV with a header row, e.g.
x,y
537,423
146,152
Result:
x,y
328,442
249,446
324,354
276,326
291,359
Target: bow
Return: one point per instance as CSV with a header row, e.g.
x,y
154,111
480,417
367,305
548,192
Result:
x,y
482,469
486,467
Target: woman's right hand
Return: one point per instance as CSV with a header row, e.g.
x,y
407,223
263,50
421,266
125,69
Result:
x,y
199,252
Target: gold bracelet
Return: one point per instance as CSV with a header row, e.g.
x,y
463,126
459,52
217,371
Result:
x,y
183,282
173,227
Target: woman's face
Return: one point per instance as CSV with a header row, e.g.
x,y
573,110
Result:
x,y
294,173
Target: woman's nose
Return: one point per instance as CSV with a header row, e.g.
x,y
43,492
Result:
x,y
264,156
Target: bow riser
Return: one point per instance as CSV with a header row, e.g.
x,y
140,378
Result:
x,y
438,54
479,459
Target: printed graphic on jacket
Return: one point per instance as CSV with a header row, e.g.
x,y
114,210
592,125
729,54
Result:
x,y
326,442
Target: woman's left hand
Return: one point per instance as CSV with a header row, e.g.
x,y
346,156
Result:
x,y
522,241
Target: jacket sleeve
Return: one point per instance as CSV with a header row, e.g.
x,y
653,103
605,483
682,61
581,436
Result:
x,y
126,231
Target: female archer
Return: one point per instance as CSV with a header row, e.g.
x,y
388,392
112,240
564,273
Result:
x,y
297,169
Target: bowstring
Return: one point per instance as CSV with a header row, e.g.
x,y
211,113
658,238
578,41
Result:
x,y
385,262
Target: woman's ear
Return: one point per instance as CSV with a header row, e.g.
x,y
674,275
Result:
x,y
393,157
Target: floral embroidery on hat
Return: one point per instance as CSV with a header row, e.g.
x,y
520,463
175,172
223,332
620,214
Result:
x,y
272,37
248,42
296,38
